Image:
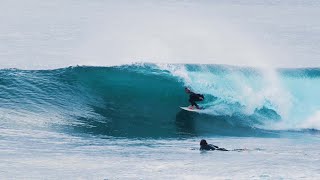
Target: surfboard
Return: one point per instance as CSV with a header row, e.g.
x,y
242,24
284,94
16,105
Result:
x,y
191,110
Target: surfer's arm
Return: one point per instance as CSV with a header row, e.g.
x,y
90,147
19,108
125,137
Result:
x,y
214,146
200,96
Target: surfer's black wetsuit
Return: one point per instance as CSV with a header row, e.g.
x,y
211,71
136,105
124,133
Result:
x,y
195,97
204,146
210,147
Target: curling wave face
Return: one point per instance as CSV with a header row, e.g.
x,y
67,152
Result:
x,y
142,100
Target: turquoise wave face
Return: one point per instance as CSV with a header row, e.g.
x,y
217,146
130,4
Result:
x,y
143,100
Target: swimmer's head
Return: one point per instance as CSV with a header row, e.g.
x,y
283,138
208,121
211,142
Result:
x,y
203,142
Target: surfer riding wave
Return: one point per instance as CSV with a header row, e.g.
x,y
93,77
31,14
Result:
x,y
193,97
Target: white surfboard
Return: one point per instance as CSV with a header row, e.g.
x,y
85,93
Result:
x,y
191,110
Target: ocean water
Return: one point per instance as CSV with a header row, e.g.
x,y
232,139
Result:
x,y
124,122
91,89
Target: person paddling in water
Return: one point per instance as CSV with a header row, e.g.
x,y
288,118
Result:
x,y
204,146
193,97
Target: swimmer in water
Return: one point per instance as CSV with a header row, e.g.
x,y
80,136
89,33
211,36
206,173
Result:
x,y
204,146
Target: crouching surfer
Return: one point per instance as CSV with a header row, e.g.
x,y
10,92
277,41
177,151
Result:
x,y
193,97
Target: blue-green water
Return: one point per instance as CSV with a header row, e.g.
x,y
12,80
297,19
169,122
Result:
x,y
124,122
94,122
143,100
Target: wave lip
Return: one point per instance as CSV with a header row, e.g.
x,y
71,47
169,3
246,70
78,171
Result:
x,y
143,100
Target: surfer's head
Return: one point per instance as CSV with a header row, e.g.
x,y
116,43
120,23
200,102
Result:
x,y
203,142
187,90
